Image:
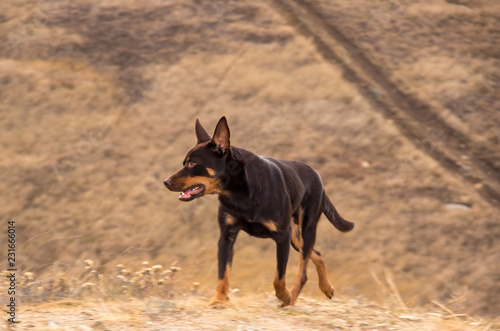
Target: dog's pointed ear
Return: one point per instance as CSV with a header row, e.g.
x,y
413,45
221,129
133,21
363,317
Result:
x,y
221,136
201,134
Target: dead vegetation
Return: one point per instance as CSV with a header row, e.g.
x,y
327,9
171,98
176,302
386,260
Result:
x,y
98,107
190,311
93,281
151,298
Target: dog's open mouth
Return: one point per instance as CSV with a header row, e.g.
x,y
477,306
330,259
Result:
x,y
191,193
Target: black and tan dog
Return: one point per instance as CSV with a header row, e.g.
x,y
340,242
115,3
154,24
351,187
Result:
x,y
264,197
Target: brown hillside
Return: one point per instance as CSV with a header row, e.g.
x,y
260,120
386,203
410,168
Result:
x,y
98,102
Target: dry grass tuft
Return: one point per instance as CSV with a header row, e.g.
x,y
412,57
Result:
x,y
94,284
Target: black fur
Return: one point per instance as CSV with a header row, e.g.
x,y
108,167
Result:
x,y
259,195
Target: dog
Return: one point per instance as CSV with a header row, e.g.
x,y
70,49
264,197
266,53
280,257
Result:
x,y
266,198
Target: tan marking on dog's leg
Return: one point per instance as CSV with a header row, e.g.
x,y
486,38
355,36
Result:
x,y
222,289
297,230
230,219
281,290
295,235
211,171
270,225
300,279
324,284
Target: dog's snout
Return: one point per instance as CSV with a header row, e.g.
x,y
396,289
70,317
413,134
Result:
x,y
168,182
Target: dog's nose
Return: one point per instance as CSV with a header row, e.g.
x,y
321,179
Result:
x,y
167,182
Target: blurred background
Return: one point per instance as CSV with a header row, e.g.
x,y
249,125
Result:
x,y
395,103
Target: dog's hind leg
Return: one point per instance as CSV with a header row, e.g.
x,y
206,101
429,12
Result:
x,y
301,277
307,236
324,284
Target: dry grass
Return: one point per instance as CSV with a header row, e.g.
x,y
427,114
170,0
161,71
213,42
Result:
x,y
89,281
100,106
442,51
152,298
256,312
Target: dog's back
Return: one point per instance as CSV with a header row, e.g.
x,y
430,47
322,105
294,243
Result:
x,y
281,182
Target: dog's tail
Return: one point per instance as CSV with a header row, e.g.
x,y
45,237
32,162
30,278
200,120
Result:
x,y
334,217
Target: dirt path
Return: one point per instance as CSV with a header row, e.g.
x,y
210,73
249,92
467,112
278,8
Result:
x,y
417,120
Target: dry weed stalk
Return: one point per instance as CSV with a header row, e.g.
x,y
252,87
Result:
x,y
389,288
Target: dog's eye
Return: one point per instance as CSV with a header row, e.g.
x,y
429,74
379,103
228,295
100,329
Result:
x,y
191,164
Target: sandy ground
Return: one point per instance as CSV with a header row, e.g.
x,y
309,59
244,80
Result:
x,y
99,99
243,313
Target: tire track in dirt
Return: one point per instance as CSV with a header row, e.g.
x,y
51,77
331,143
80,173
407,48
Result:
x,y
414,118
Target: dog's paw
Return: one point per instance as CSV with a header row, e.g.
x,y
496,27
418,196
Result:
x,y
218,302
285,302
328,290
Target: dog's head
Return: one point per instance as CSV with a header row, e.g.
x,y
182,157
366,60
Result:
x,y
204,165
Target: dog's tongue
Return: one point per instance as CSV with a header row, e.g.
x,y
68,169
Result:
x,y
188,193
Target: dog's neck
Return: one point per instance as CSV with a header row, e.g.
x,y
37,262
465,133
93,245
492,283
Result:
x,y
240,183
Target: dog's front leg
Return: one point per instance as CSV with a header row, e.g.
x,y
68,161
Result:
x,y
225,257
282,253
